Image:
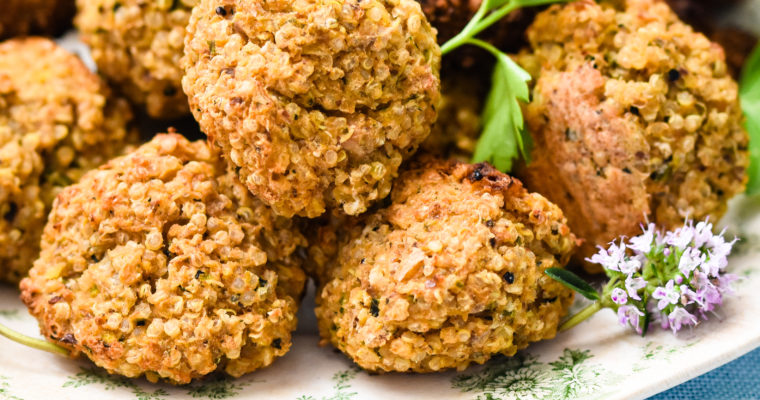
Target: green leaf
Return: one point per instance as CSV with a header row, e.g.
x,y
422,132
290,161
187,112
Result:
x,y
645,326
573,282
536,3
749,92
515,4
503,138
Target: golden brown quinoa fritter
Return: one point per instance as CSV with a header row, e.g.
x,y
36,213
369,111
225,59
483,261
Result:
x,y
634,117
456,131
161,263
315,103
451,273
57,121
35,17
137,46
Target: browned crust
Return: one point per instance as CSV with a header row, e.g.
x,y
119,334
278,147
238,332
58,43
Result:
x,y
449,273
634,118
59,120
160,263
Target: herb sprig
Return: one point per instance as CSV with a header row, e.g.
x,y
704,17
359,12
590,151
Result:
x,y
504,137
675,278
749,92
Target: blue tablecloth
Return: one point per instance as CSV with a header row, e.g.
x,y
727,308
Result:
x,y
738,380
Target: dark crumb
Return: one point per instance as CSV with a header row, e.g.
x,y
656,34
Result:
x,y
69,339
373,308
674,75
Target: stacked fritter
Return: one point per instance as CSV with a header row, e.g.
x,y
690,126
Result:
x,y
137,46
57,121
457,128
314,104
450,273
184,258
176,271
634,117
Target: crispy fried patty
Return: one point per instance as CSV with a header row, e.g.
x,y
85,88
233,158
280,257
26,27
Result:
x,y
137,46
314,103
57,121
450,273
634,117
161,263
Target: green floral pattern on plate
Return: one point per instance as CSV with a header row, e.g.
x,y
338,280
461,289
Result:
x,y
5,390
524,377
10,314
93,375
214,388
341,387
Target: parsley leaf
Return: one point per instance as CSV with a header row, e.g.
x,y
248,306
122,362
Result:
x,y
749,92
503,139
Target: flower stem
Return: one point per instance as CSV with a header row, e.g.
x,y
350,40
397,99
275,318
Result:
x,y
38,344
581,316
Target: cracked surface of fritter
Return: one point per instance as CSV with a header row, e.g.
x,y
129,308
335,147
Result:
x,y
451,273
137,46
634,117
35,17
314,103
57,121
161,263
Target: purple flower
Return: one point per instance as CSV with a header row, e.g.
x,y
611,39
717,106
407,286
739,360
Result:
x,y
702,233
609,259
679,317
720,248
630,266
681,237
630,314
725,281
688,296
643,242
710,297
690,260
632,285
713,265
619,296
666,295
685,271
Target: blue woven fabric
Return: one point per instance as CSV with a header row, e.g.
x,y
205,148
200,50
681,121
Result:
x,y
738,380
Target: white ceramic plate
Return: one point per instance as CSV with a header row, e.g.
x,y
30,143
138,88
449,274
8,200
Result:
x,y
596,360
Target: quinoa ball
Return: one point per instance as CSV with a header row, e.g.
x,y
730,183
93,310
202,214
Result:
x,y
57,121
458,127
700,14
451,273
634,117
137,45
314,103
35,17
161,263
